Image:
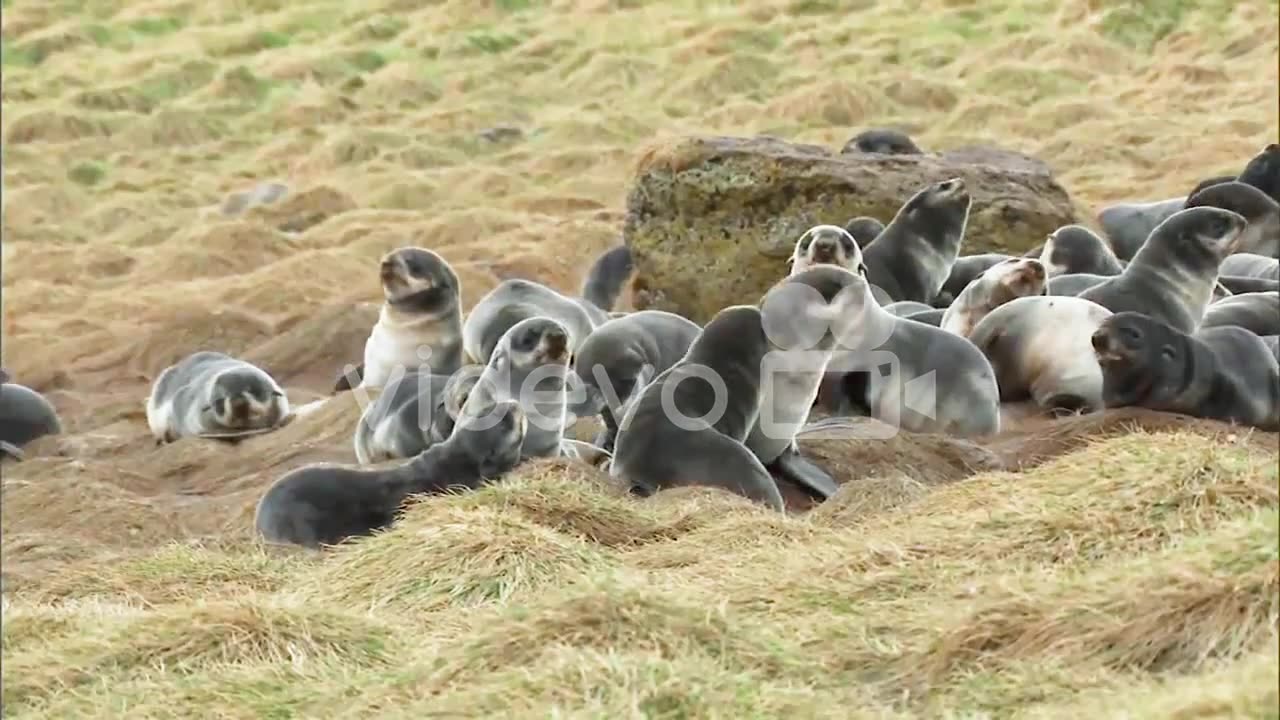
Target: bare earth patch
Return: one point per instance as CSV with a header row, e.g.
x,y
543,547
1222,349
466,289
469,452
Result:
x,y
1124,563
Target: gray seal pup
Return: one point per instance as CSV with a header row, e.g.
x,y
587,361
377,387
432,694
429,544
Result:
x,y
1262,236
409,416
688,426
1076,283
1040,349
1173,275
913,257
25,415
885,141
517,299
530,365
825,245
864,229
620,358
806,317
1245,264
963,271
1000,283
1220,373
318,505
213,395
1229,285
910,375
419,326
1263,171
1257,312
1076,249
1128,225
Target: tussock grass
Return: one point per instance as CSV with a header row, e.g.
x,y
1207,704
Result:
x,y
1114,564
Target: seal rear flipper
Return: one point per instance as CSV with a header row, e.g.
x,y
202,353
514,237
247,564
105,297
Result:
x,y
806,474
8,449
607,276
345,379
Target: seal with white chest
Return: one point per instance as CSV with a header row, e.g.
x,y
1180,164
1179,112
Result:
x,y
1262,236
320,505
1039,348
1128,225
620,358
1257,312
912,258
1002,282
963,271
409,416
1173,275
1220,373
530,365
1076,249
910,375
688,426
806,317
25,415
419,327
211,394
825,245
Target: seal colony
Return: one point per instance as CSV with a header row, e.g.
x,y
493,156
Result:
x,y
1173,306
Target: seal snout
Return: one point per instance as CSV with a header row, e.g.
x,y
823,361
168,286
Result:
x,y
954,186
555,343
824,249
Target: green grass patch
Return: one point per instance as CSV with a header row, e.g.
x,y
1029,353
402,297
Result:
x,y
87,173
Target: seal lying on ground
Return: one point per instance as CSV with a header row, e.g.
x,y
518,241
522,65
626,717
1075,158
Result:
x,y
320,505
210,394
1221,373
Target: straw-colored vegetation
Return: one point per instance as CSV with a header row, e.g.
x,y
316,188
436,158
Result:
x,y
1088,569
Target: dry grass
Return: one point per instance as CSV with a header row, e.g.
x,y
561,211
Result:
x,y
1119,565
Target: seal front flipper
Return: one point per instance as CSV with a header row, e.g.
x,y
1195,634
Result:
x,y
11,450
805,473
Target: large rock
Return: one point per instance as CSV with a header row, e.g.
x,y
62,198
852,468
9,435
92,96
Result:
x,y
712,220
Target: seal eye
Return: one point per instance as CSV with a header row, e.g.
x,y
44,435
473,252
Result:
x,y
1167,354
1219,226
1130,333
220,406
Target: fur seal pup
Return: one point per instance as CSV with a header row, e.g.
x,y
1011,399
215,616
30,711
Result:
x,y
409,416
913,257
318,505
825,245
531,366
935,382
1263,171
885,141
932,317
419,327
1076,249
1262,236
687,427
1257,312
864,229
1127,225
25,415
620,358
1173,274
806,317
1245,264
1209,182
211,394
1220,373
607,277
1039,348
1002,282
1073,283
963,271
